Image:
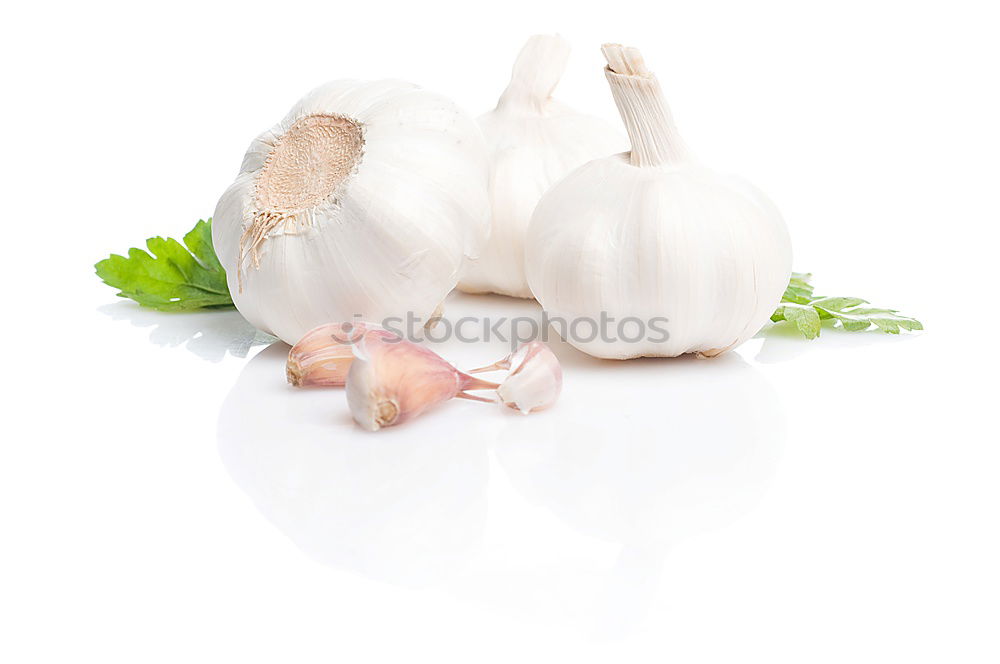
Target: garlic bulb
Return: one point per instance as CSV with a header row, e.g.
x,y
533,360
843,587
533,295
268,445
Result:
x,y
393,380
364,202
533,141
657,254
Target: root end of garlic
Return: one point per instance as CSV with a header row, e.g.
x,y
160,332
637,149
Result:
x,y
386,413
306,167
309,162
293,372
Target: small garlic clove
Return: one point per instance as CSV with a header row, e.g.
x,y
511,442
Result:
x,y
393,380
323,356
535,380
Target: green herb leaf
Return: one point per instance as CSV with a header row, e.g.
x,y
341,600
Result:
x,y
171,276
836,303
887,320
799,289
800,306
805,318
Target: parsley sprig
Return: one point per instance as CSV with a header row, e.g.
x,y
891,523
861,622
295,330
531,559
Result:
x,y
171,276
801,307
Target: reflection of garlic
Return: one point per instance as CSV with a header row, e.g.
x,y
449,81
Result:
x,y
534,141
365,201
534,381
391,381
322,357
650,235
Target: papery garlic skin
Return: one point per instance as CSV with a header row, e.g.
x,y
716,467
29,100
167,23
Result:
x,y
533,141
652,235
366,202
392,381
535,379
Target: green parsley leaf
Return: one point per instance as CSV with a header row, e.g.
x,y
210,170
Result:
x,y
171,276
887,320
800,306
799,289
805,318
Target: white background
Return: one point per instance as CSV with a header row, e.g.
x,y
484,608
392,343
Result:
x,y
165,499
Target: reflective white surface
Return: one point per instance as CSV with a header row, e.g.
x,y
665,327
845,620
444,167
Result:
x,y
641,467
166,497
659,502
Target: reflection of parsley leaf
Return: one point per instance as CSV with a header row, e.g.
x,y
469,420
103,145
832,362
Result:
x,y
805,310
171,276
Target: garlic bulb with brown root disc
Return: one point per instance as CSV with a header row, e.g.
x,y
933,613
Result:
x,y
648,253
534,141
365,202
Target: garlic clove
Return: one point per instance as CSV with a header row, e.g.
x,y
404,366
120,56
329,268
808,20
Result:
x,y
535,380
323,356
393,380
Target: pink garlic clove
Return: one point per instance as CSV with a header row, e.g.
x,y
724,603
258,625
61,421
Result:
x,y
323,356
391,381
535,380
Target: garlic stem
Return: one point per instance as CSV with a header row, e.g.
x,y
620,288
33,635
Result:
x,y
496,366
647,118
474,397
467,382
537,71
